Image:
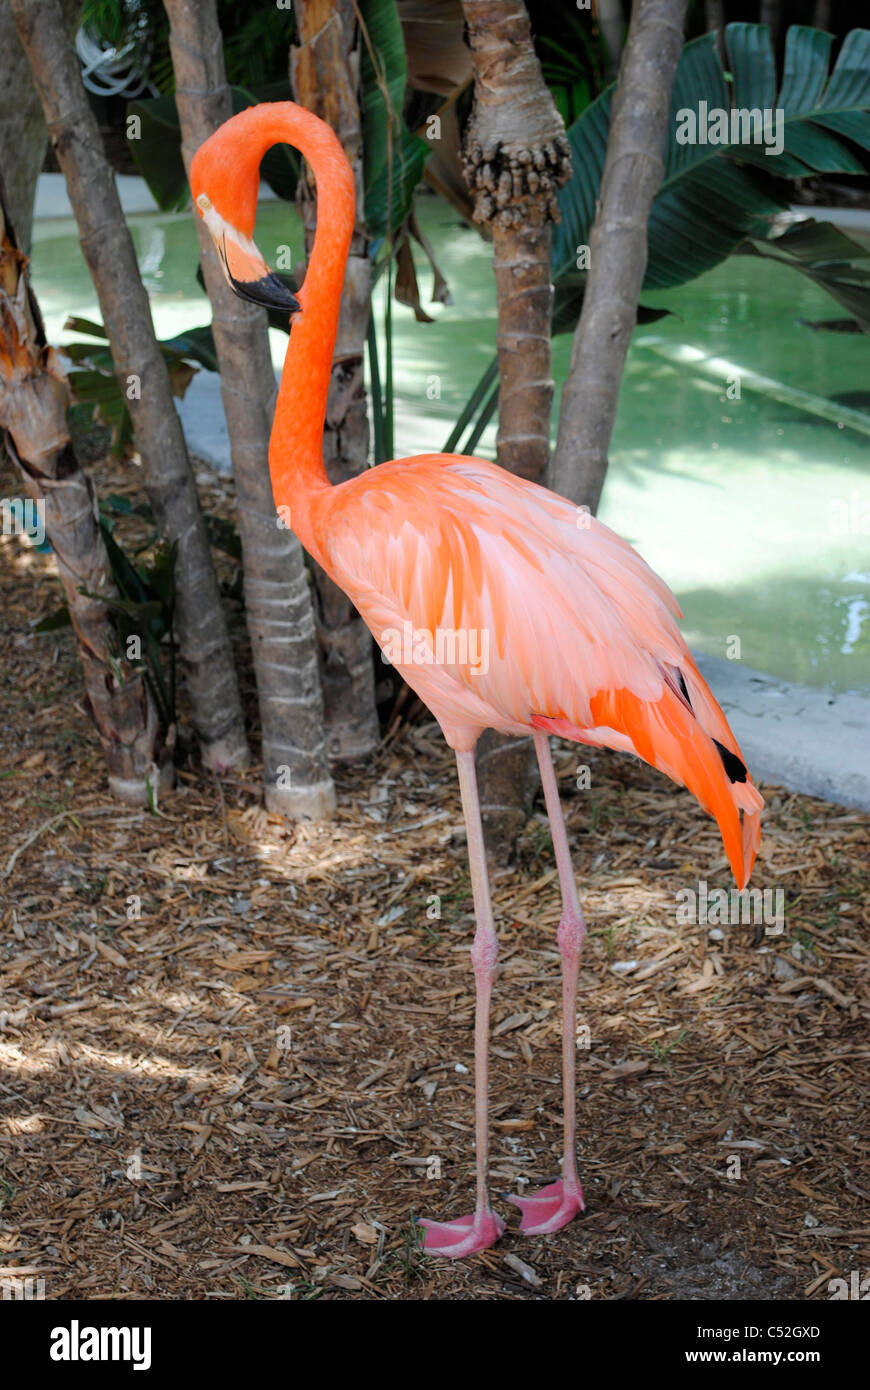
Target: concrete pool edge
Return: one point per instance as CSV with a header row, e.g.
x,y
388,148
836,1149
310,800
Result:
x,y
801,737
51,199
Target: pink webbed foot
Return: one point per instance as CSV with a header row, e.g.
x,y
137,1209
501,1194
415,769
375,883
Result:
x,y
550,1209
464,1236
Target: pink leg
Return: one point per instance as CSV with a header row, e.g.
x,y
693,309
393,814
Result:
x,y
554,1206
468,1234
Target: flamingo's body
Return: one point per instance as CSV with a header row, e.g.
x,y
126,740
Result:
x,y
581,637
553,624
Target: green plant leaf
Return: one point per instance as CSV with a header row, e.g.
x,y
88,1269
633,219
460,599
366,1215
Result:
x,y
193,345
144,607
568,301
389,182
713,197
160,580
96,387
94,383
588,140
407,170
116,505
157,151
78,325
827,256
55,622
128,580
803,97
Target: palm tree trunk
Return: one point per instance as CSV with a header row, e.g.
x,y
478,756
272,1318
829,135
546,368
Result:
x,y
632,176
204,647
610,22
277,601
34,398
324,71
516,156
21,121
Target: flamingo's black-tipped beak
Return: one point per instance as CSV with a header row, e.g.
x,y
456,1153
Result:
x,y
243,264
267,290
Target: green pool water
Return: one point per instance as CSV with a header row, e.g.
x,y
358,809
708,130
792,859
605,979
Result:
x,y
756,512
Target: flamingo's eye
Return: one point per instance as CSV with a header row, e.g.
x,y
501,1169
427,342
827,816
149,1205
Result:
x,y
203,202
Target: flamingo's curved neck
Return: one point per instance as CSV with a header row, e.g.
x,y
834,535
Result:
x,y
296,445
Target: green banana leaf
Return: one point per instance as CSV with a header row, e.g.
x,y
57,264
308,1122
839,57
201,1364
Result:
x,y
194,345
827,256
713,196
718,199
568,294
145,608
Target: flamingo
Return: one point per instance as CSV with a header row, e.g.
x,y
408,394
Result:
x,y
574,635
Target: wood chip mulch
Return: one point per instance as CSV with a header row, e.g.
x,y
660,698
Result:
x,y
235,1053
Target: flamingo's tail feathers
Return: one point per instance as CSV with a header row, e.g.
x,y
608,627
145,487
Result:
x,y
689,685
674,735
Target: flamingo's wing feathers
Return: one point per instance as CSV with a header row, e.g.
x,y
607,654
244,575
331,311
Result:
x,y
556,606
551,620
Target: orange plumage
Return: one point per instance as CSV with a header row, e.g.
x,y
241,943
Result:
x,y
581,632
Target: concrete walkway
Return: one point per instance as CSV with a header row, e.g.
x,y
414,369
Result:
x,y
798,736
52,199
205,424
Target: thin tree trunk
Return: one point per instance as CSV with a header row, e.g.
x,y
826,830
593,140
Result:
x,y
770,12
324,71
611,22
34,399
714,18
632,176
23,128
516,156
277,599
204,647
22,124
822,14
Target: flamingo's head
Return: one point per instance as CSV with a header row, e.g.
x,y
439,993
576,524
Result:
x,y
228,213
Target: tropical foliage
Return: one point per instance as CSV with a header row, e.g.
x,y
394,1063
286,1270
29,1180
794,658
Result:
x,y
94,383
715,199
256,37
715,195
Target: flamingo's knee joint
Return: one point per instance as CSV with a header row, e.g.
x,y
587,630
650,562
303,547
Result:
x,y
484,951
571,935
